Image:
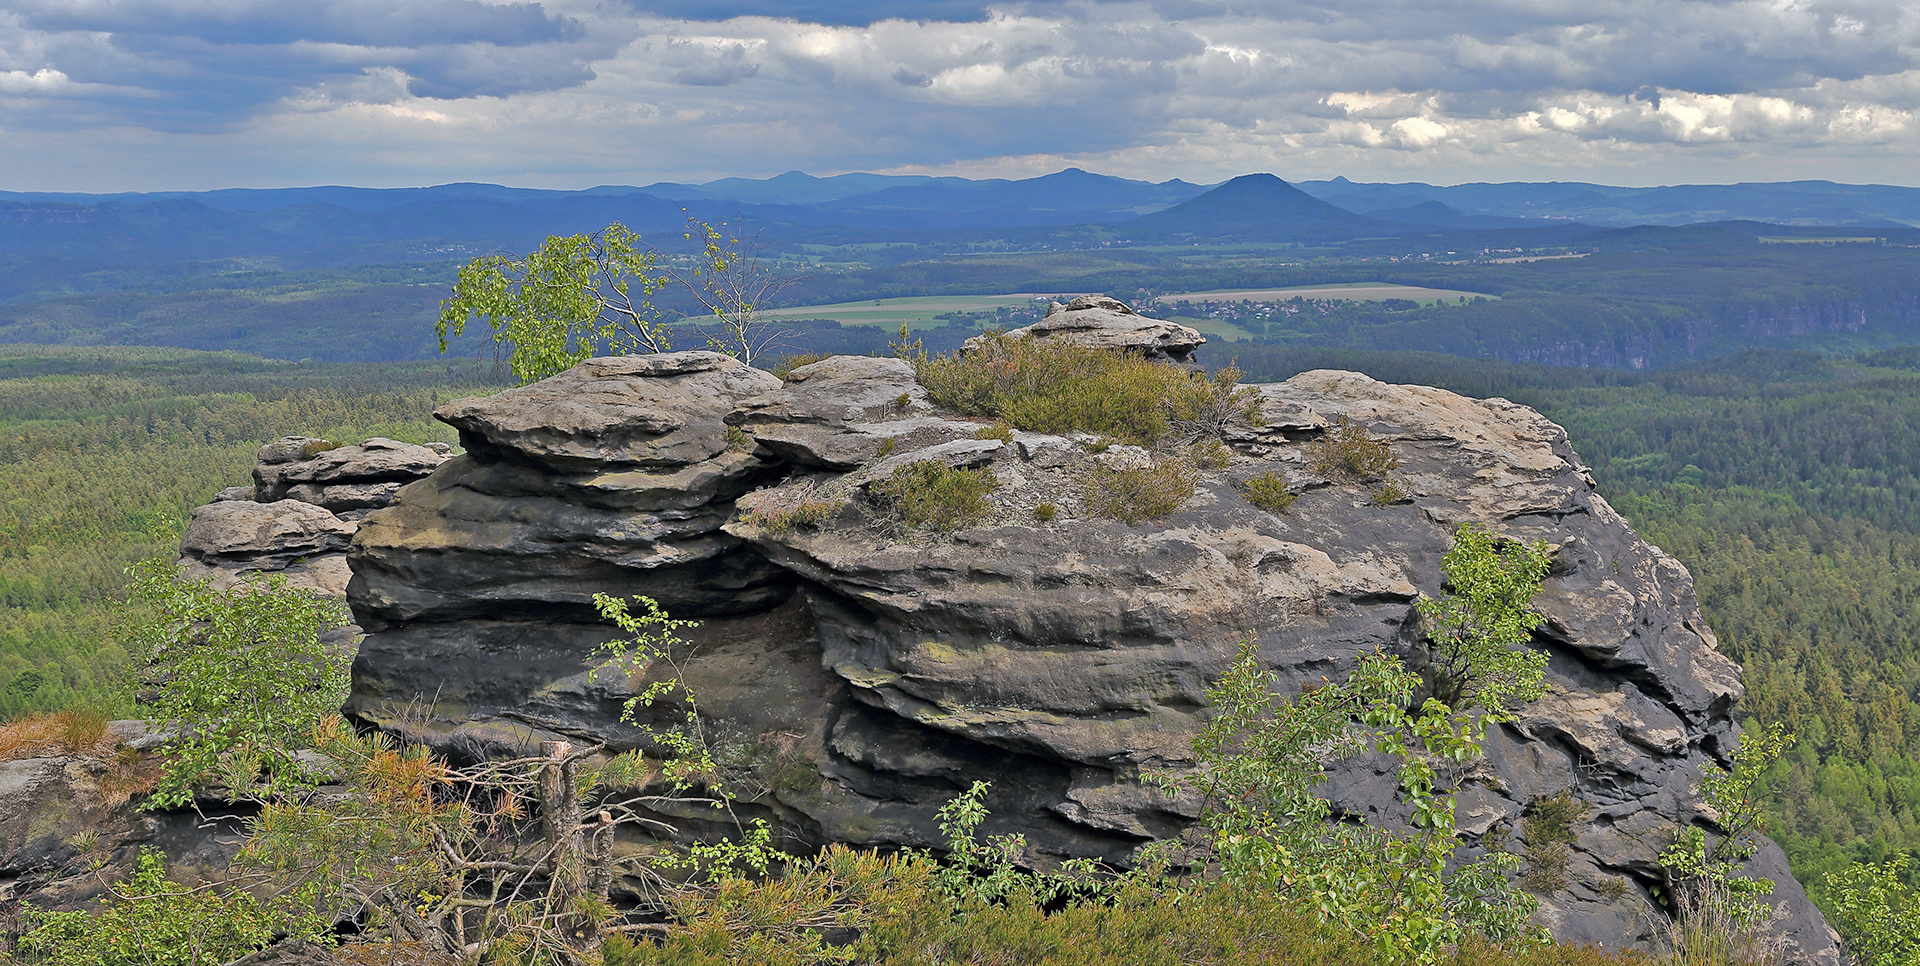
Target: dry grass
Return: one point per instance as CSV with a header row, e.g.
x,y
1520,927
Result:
x,y
55,735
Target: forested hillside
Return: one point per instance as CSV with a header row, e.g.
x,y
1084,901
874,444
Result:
x,y
97,445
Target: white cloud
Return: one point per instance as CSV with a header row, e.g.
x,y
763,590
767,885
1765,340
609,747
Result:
x,y
591,92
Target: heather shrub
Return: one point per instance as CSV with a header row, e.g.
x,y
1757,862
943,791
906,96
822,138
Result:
x,y
1548,830
930,495
1348,452
1269,492
794,360
1057,386
1135,494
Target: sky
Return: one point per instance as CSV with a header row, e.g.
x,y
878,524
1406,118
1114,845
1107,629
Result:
x,y
140,95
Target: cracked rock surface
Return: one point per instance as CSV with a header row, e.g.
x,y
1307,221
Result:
x,y
861,674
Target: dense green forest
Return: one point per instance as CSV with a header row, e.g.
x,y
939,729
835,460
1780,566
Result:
x,y
97,445
1788,481
1636,298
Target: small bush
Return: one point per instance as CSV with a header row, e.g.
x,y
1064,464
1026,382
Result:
x,y
1269,492
1388,493
1348,452
1058,386
739,439
929,494
1548,829
1045,512
1144,493
791,361
1209,454
999,431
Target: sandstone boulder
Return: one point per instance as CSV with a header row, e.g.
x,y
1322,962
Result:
x,y
341,477
504,547
1108,323
620,412
68,828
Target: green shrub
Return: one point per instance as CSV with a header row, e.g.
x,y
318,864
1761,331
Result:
x,y
1000,431
794,360
1387,493
1045,512
1134,494
246,677
1876,910
1548,830
929,494
1058,386
1269,492
1348,452
153,921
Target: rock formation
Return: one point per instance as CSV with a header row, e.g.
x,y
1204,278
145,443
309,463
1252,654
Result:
x,y
858,674
1108,323
308,497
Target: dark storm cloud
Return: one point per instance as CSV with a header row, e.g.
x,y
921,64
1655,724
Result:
x,y
207,64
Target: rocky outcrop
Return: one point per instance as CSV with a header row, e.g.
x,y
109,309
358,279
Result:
x,y
306,501
69,829
1108,323
860,674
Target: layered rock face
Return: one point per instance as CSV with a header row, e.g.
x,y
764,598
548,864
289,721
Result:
x,y
857,675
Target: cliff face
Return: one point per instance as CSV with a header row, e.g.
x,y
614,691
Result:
x,y
858,676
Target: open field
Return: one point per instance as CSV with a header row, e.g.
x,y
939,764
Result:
x,y
918,313
1836,240
1353,291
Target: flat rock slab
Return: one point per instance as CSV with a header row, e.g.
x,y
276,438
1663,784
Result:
x,y
621,411
263,532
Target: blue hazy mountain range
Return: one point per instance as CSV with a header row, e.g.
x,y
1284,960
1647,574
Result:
x,y
863,198
61,244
